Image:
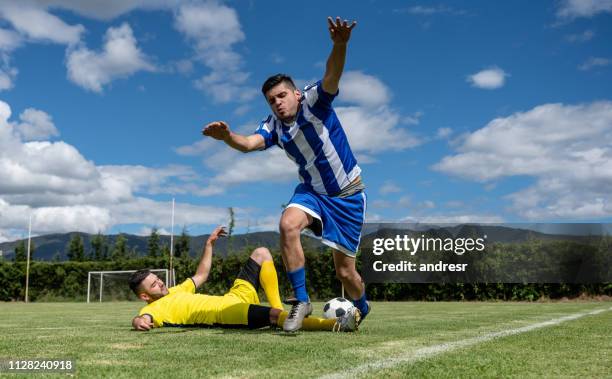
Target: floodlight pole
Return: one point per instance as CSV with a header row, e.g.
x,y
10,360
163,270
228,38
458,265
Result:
x,y
28,260
171,273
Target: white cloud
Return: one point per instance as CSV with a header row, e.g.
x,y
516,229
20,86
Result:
x,y
374,130
184,66
150,180
455,204
227,86
36,23
571,9
444,133
380,204
9,40
491,78
9,235
36,125
243,109
66,192
107,9
215,28
362,89
593,62
142,210
374,217
389,187
197,148
420,10
585,36
119,58
371,125
146,231
211,24
38,166
31,23
424,10
413,119
86,218
234,167
5,114
403,202
427,204
7,77
564,147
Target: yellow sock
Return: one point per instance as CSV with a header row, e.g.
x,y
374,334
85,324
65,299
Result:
x,y
310,323
269,281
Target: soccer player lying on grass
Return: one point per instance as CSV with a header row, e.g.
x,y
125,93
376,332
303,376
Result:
x,y
239,307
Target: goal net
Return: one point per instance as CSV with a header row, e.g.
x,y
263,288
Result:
x,y
114,285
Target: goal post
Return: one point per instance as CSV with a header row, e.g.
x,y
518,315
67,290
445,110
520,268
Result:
x,y
115,284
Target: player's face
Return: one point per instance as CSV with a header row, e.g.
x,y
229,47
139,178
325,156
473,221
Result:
x,y
284,101
153,287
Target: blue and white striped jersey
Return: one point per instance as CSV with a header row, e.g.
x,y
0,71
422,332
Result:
x,y
315,142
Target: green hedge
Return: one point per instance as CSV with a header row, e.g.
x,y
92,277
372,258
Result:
x,y
51,281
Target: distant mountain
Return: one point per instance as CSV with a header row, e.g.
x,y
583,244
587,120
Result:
x,y
47,246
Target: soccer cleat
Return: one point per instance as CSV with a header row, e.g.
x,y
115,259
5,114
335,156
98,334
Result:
x,y
299,311
349,322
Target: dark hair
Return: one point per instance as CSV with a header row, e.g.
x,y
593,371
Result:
x,y
137,278
276,79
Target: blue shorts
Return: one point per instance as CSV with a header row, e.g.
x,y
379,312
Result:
x,y
337,220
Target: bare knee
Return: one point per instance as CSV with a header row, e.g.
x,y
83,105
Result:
x,y
289,227
292,222
260,255
345,273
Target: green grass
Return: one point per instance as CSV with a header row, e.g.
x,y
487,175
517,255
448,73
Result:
x,y
98,336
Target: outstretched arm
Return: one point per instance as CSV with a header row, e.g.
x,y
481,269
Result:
x,y
203,270
340,33
221,131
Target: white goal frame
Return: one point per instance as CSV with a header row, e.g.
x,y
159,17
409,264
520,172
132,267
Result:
x,y
101,273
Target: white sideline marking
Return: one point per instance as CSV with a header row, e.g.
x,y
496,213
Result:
x,y
434,350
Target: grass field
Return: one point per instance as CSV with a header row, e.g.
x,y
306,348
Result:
x,y
407,339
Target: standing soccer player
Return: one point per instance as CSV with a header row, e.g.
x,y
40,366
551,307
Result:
x,y
330,201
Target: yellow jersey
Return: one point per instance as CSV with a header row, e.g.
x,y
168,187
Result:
x,y
183,307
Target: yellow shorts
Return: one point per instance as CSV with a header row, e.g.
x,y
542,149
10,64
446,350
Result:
x,y
234,307
244,291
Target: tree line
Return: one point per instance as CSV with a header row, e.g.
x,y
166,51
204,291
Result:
x,y
101,249
67,281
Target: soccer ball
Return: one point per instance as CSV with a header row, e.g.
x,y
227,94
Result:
x,y
336,307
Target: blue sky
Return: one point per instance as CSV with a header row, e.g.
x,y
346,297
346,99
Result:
x,y
472,111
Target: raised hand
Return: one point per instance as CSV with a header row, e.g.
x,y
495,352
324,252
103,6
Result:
x,y
218,232
217,130
340,31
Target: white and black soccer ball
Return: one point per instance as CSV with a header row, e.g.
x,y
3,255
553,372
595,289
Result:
x,y
336,307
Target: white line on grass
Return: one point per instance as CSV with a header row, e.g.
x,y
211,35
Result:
x,y
434,350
